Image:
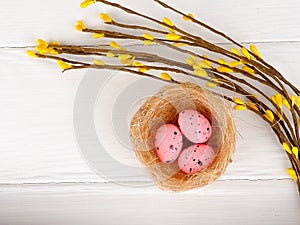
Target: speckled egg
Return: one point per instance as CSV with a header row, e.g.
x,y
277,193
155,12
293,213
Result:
x,y
196,158
168,143
194,126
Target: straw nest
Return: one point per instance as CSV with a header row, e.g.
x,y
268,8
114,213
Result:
x,y
163,108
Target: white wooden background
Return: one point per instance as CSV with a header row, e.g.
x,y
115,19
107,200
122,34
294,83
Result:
x,y
45,180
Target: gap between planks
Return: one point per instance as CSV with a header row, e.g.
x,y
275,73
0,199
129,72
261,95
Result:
x,y
128,182
134,45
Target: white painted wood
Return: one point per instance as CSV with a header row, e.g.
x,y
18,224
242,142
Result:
x,y
236,202
23,22
45,180
37,138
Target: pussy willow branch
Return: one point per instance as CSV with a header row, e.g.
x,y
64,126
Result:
x,y
264,73
119,35
162,41
78,50
201,41
199,22
235,88
267,80
217,32
261,60
273,73
209,46
243,73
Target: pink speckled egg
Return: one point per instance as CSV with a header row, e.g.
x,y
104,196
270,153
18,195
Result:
x,y
168,143
194,126
196,158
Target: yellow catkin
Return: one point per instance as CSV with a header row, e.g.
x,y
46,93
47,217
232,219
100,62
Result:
x,y
173,37
142,69
234,63
124,57
238,101
168,21
223,69
292,174
222,61
86,3
240,107
63,65
235,51
114,45
41,42
138,64
79,26
200,72
252,106
191,61
286,147
286,104
298,101
269,115
126,61
42,47
31,54
187,17
248,70
165,76
278,99
148,36
245,52
206,60
210,84
202,65
98,35
193,57
196,67
148,43
105,17
179,44
53,52
295,151
293,99
110,55
98,62
216,80
254,50
273,99
55,43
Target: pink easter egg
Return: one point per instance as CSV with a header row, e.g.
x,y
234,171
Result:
x,y
196,158
168,143
194,126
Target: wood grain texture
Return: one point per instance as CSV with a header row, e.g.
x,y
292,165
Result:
x,y
44,179
37,136
253,21
218,204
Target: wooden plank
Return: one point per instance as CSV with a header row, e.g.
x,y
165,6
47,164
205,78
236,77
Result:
x,y
45,176
230,202
249,21
37,136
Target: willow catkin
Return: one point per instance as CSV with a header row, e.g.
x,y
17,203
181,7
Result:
x,y
164,108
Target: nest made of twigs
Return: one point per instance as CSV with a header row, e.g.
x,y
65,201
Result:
x,y
163,108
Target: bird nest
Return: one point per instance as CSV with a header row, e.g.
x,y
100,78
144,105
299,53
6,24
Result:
x,y
163,108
